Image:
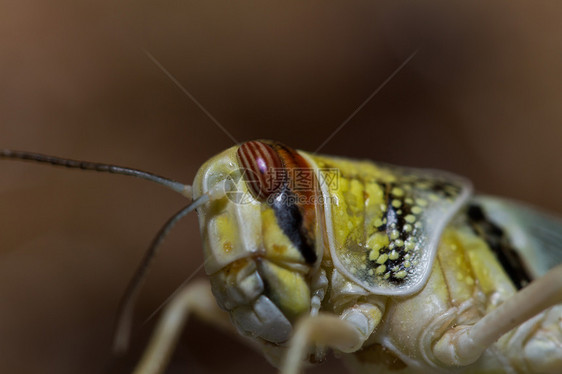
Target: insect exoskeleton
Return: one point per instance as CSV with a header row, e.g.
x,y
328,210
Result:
x,y
284,211
396,269
263,242
394,266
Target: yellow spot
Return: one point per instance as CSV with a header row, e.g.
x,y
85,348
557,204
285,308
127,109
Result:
x,y
469,280
397,191
408,201
279,249
393,255
380,269
382,258
451,189
399,242
401,274
374,254
416,209
394,234
371,272
396,203
407,264
408,228
378,222
387,275
410,218
377,241
227,246
410,245
421,202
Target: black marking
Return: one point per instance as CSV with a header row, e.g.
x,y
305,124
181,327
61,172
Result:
x,y
475,213
495,237
290,220
394,221
399,222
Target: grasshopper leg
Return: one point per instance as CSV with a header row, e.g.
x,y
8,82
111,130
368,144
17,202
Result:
x,y
322,329
346,333
463,345
195,298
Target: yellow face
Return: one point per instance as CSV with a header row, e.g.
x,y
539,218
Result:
x,y
254,250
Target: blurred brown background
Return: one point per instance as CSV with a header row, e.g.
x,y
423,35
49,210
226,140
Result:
x,y
481,98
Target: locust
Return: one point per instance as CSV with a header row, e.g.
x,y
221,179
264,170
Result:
x,y
394,269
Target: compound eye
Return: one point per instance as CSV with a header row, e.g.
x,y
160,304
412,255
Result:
x,y
263,170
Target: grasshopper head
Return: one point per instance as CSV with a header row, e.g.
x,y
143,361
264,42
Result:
x,y
260,238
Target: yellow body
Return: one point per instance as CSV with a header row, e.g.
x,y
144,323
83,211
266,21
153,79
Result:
x,y
392,243
466,281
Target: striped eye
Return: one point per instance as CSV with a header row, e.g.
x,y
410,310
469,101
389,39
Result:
x,y
263,170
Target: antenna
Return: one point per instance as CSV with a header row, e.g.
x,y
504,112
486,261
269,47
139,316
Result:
x,y
127,303
181,188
